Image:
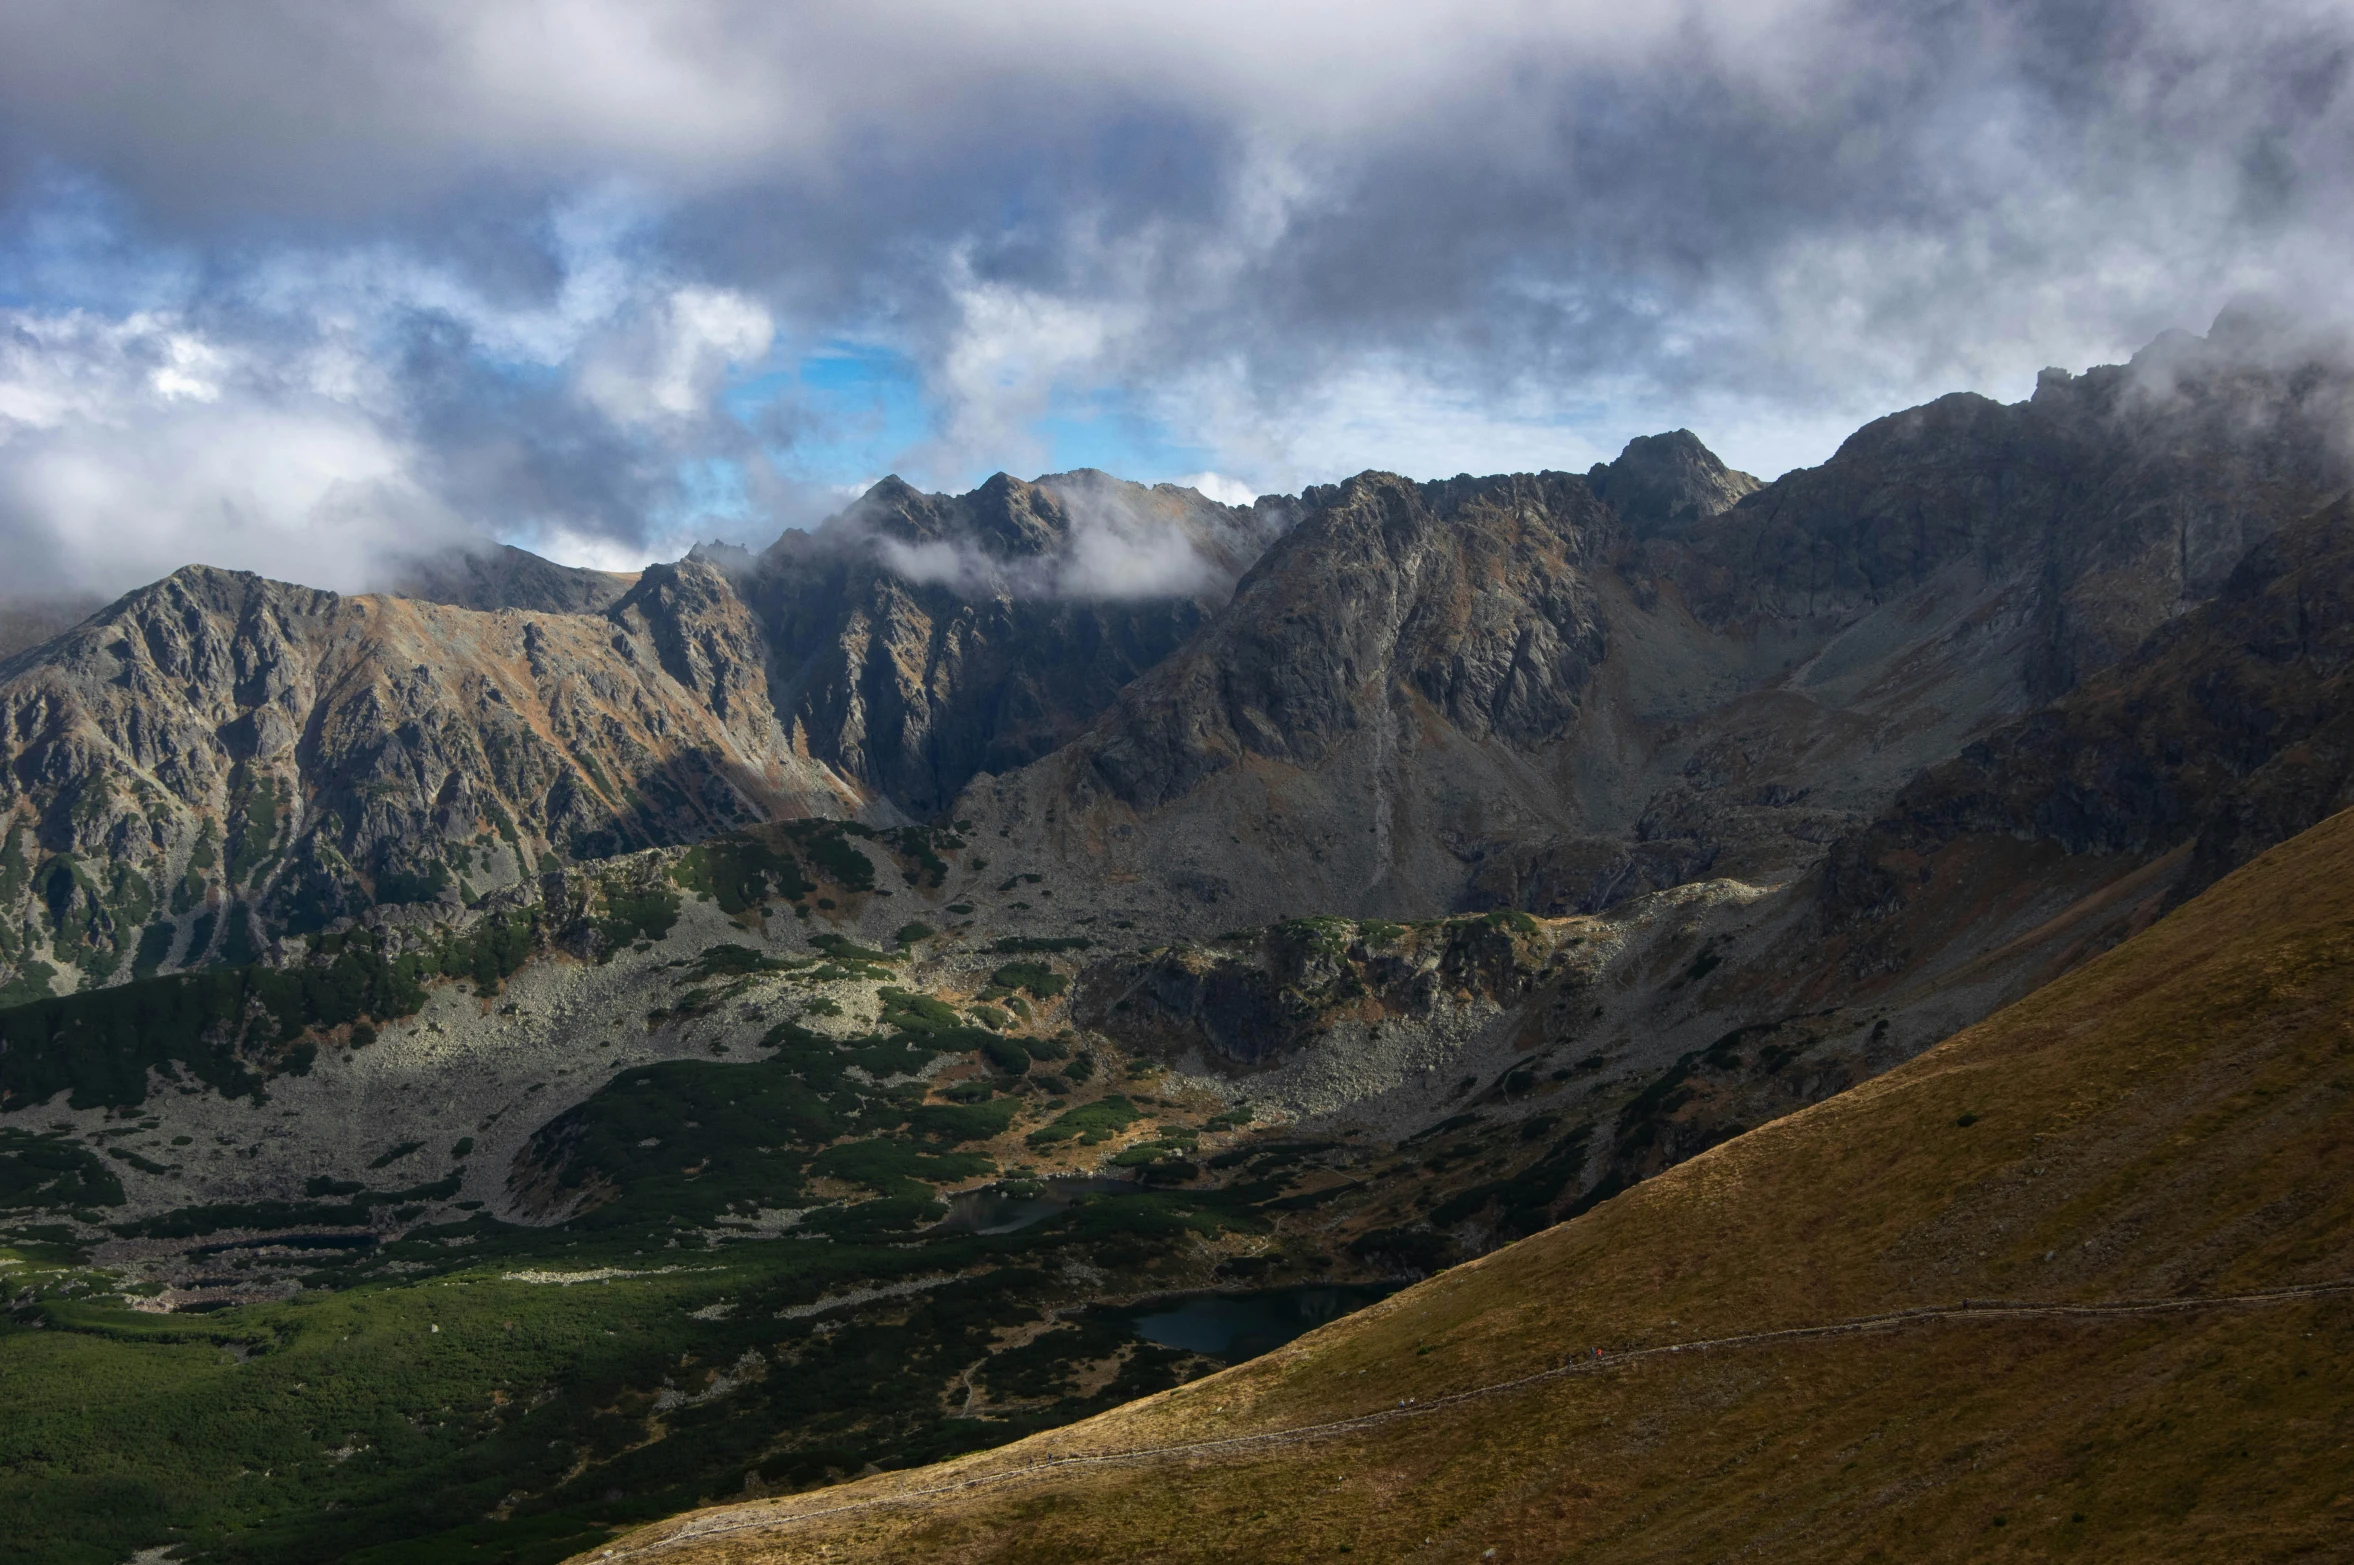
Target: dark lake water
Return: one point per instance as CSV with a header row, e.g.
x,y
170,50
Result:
x,y
992,1211
1237,1326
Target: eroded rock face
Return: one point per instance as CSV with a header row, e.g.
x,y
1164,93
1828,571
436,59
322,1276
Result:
x,y
912,690
1468,594
219,745
2229,731
1662,484
2118,498
923,639
1548,692
1554,692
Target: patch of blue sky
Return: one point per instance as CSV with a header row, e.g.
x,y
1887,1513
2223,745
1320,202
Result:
x,y
66,244
845,412
712,491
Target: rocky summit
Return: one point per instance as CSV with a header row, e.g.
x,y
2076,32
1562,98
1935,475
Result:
x,y
493,1064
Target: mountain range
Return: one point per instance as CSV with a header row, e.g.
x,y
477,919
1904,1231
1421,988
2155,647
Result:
x,y
960,925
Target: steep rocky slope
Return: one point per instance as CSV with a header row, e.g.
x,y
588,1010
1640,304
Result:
x,y
2227,732
923,639
1507,692
2146,1164
218,748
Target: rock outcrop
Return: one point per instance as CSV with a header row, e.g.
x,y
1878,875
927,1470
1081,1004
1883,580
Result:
x,y
2231,730
923,639
1552,692
219,747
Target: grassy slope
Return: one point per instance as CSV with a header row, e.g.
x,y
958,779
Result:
x,y
2176,1117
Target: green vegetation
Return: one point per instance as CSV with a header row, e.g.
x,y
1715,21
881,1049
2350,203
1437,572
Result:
x,y
1089,1124
828,846
742,872
422,1380
254,808
1040,980
216,1025
896,1168
48,1170
957,1122
1325,937
913,931
923,845
229,1026
735,961
842,949
635,913
935,1022
1017,944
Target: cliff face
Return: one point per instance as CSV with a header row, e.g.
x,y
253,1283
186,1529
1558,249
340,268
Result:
x,y
1552,692
2114,499
218,745
2231,730
923,639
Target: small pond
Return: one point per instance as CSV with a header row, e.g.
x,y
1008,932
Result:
x,y
1237,1326
991,1210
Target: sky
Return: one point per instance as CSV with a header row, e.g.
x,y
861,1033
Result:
x,y
306,289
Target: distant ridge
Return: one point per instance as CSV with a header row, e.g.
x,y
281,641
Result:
x,y
505,577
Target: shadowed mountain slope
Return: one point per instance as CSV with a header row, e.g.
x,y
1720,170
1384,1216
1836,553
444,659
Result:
x,y
2231,730
1518,692
922,639
2168,1125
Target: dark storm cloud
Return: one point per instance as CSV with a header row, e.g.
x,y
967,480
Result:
x,y
494,260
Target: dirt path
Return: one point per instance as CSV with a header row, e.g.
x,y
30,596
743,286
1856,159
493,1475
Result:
x,y
1896,1320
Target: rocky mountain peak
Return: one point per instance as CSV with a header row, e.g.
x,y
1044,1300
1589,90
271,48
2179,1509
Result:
x,y
1664,483
505,577
1004,518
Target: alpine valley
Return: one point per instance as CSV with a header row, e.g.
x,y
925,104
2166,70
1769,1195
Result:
x,y
488,1066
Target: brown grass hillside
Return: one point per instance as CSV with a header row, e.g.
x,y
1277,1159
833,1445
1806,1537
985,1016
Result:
x,y
2174,1120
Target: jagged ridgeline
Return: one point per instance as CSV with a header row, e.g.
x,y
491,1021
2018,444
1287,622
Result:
x,y
218,761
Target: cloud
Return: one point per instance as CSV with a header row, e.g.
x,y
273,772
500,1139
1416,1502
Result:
x,y
526,249
1219,487
668,367
130,447
328,413
1116,540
